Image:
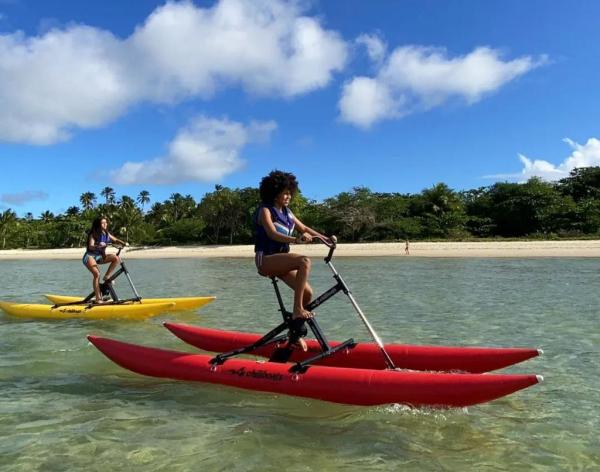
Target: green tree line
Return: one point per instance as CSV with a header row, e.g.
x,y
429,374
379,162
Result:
x,y
535,209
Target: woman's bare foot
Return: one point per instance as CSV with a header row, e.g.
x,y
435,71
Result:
x,y
300,344
302,314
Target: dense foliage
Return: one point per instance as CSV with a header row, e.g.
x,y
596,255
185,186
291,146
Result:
x,y
567,208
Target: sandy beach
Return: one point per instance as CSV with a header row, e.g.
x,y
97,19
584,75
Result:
x,y
417,249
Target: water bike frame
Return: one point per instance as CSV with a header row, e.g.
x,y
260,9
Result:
x,y
297,327
107,289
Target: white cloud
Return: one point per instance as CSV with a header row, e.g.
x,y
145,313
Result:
x,y
85,77
63,79
586,155
266,46
418,78
206,150
21,198
376,47
365,100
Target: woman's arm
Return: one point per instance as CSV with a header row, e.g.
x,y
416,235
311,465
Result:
x,y
91,245
116,240
306,229
264,218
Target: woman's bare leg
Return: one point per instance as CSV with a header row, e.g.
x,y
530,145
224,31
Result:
x,y
294,281
280,265
290,281
114,261
93,268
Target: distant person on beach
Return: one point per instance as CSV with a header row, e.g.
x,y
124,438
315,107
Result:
x,y
406,249
274,224
95,253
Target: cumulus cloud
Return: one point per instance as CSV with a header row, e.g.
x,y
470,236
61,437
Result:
x,y
63,79
206,150
267,46
85,77
20,198
376,47
583,155
415,78
367,100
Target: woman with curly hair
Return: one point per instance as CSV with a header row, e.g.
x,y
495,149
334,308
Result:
x,y
275,224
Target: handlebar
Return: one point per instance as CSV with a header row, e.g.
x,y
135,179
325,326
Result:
x,y
330,242
118,247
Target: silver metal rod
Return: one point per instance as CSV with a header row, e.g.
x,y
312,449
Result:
x,y
388,359
131,284
137,295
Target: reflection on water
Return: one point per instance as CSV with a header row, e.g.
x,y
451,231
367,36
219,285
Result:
x,y
64,406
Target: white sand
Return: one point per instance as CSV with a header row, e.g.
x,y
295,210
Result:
x,y
417,249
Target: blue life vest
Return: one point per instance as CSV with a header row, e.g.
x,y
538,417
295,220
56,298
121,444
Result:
x,y
104,238
284,224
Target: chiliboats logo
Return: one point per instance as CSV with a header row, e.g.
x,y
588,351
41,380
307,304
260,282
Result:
x,y
257,374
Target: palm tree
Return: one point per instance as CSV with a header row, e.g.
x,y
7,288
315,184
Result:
x,y
72,211
126,202
29,216
143,198
180,206
87,199
47,216
109,194
442,209
8,219
127,217
174,205
156,213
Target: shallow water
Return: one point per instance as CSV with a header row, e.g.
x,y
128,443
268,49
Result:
x,y
64,406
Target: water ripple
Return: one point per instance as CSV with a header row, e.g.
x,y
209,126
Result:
x,y
63,406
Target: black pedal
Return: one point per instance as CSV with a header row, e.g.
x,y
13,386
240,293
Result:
x,y
281,355
297,330
104,290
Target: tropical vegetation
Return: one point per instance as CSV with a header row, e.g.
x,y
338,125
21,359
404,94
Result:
x,y
535,209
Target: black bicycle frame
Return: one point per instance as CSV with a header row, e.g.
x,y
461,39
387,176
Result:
x,y
296,327
107,288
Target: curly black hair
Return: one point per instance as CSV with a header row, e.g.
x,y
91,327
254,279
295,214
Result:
x,y
275,183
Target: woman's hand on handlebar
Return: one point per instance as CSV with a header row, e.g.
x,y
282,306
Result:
x,y
328,241
119,245
304,238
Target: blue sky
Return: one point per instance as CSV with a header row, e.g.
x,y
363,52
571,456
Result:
x,y
397,96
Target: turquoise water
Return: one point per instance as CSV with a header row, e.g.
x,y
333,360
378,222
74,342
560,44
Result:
x,y
64,406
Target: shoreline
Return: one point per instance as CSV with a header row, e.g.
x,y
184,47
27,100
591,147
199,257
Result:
x,y
499,249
